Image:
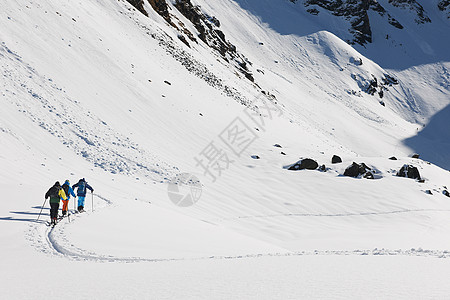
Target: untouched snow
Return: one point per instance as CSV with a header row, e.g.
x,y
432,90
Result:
x,y
83,95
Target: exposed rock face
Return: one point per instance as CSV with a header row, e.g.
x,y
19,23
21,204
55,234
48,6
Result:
x,y
161,7
409,171
375,86
356,12
139,4
209,33
414,6
207,27
444,5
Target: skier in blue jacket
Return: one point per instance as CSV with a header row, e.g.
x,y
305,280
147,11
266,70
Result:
x,y
69,191
82,185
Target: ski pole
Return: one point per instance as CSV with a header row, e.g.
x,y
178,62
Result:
x,y
41,209
68,211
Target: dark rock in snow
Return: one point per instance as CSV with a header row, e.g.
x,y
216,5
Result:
x,y
356,61
369,175
413,6
446,193
322,168
428,192
336,159
357,13
393,158
356,169
255,157
389,80
166,82
283,153
277,145
306,163
409,171
415,155
444,5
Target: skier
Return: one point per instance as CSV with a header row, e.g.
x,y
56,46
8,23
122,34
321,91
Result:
x,y
69,191
55,193
82,185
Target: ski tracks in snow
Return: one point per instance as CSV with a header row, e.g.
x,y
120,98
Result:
x,y
54,242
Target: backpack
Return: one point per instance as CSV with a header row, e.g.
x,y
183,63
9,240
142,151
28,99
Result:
x,y
66,189
54,192
81,188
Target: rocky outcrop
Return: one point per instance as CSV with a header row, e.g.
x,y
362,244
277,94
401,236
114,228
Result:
x,y
415,7
356,170
409,171
139,4
444,5
209,33
207,27
375,86
356,12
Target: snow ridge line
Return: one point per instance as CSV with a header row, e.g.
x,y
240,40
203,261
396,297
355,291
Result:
x,y
54,242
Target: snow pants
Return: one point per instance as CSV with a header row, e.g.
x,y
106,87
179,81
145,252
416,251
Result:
x,y
54,210
65,204
81,201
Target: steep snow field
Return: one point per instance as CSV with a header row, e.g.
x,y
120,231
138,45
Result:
x,y
84,95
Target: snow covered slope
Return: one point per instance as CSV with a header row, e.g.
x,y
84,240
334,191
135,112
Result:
x,y
96,89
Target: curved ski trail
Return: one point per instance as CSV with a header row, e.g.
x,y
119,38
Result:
x,y
53,241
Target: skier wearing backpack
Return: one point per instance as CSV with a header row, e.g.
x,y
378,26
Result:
x,y
69,191
55,193
82,185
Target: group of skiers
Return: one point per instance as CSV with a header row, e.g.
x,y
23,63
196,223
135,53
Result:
x,y
58,192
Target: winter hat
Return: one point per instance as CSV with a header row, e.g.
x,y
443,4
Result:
x,y
57,183
67,181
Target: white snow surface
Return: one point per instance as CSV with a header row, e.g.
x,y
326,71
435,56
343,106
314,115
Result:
x,y
83,96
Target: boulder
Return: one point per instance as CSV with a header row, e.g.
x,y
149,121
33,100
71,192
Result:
x,y
277,145
336,159
446,193
306,163
255,157
409,171
415,155
393,158
322,168
428,192
356,169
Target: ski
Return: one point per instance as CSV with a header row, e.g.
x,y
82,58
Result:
x,y
50,224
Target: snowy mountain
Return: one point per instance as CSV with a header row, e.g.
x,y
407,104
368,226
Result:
x,y
214,106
